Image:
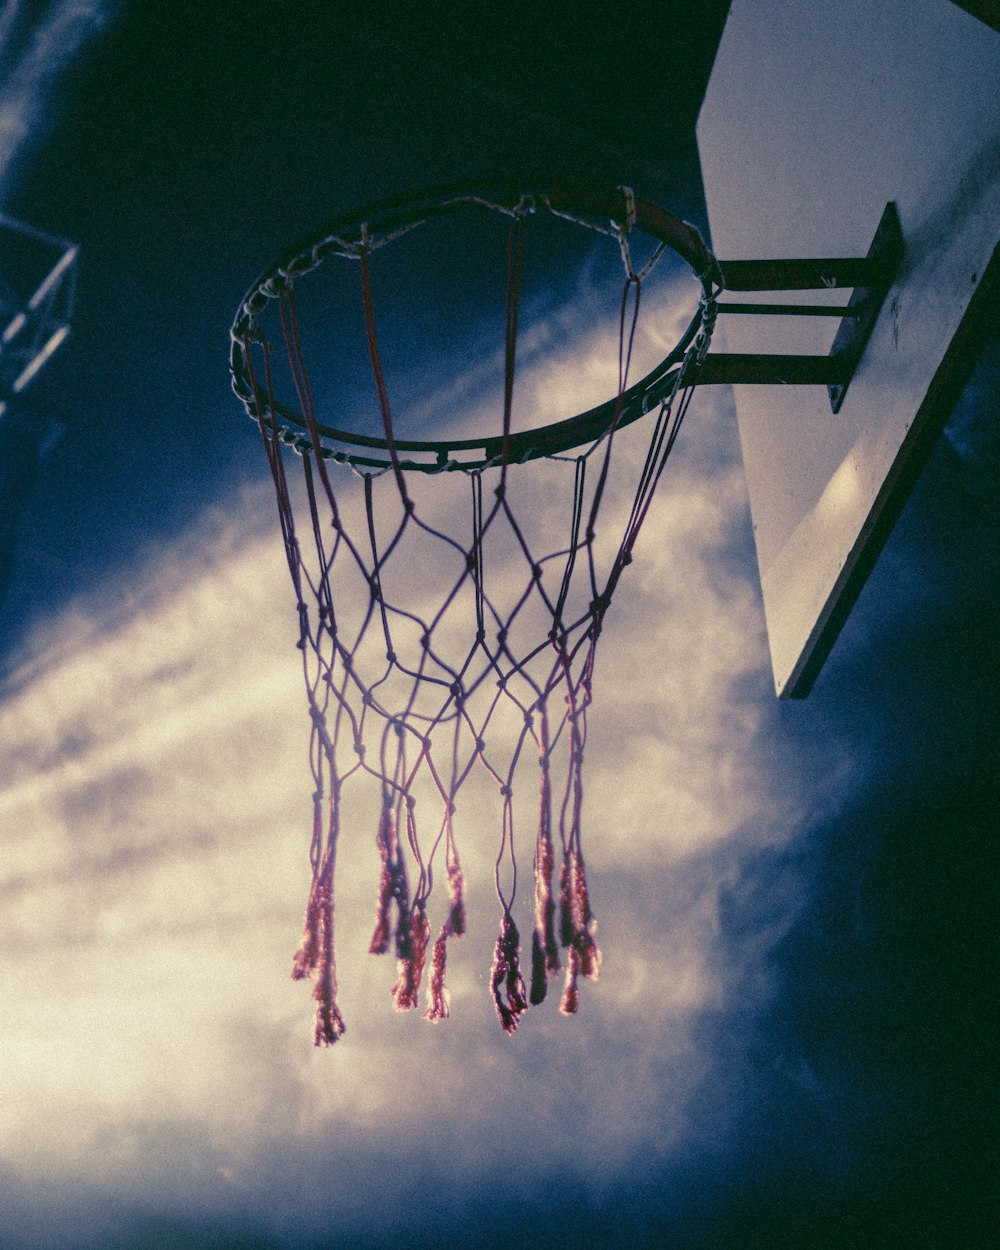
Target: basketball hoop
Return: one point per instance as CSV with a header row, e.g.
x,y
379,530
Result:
x,y
415,696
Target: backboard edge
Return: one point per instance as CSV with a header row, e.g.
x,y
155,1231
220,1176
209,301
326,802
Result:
x,y
939,402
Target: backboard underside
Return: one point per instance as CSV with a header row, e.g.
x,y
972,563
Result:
x,y
815,118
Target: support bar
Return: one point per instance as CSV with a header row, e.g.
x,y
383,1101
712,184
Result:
x,y
791,310
771,370
870,276
798,275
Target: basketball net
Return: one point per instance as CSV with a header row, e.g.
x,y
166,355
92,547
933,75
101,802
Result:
x,y
407,687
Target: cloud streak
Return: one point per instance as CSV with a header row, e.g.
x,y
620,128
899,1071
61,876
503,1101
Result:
x,y
35,49
155,808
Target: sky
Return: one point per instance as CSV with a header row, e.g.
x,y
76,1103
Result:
x,y
790,1042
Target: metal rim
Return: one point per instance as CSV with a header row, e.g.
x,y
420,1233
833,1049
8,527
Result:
x,y
604,209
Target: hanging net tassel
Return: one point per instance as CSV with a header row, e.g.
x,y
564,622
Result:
x,y
438,999
412,926
505,979
544,949
316,954
456,896
411,949
320,900
392,882
578,930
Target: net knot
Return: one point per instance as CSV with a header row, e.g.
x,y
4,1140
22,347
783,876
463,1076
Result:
x,y
275,285
623,231
629,195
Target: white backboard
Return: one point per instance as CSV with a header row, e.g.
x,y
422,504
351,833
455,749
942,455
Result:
x,y
816,116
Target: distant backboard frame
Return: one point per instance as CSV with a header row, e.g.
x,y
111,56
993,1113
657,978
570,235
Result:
x,y
37,292
816,117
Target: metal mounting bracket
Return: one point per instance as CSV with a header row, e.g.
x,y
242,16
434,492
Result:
x,y
870,277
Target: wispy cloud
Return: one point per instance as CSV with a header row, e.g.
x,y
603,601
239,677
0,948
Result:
x,y
37,43
155,811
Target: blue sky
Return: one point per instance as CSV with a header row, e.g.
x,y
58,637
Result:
x,y
790,1042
